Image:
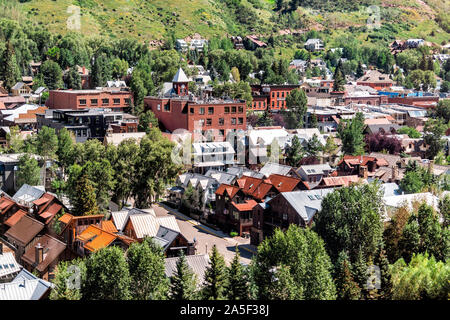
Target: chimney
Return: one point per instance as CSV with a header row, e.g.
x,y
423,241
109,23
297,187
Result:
x,y
39,253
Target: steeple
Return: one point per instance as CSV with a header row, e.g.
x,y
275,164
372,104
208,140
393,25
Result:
x,y
180,83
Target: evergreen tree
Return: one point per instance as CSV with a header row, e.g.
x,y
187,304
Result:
x,y
339,78
84,199
359,70
184,282
237,285
283,286
294,153
107,276
72,79
346,287
215,277
147,271
386,284
10,72
65,148
101,70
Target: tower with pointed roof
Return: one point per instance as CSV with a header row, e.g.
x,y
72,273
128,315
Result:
x,y
180,83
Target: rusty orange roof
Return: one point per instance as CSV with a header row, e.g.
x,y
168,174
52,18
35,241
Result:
x,y
247,206
46,197
343,181
15,217
96,238
109,226
230,190
377,121
66,218
5,203
283,183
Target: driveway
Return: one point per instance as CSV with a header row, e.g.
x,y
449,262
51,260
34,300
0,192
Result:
x,y
206,237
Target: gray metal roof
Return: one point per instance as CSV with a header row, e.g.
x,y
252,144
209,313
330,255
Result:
x,y
167,235
25,286
306,203
28,193
8,265
274,168
197,263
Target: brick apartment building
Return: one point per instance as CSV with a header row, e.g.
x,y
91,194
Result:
x,y
272,96
118,100
178,109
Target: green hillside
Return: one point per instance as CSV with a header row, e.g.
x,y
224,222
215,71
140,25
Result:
x,y
159,19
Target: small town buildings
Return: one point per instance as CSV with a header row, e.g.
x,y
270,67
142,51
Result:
x,y
213,155
21,89
363,166
272,97
176,108
44,256
25,286
94,238
111,98
376,80
197,263
8,169
72,226
117,138
297,207
271,168
314,45
23,234
86,123
313,174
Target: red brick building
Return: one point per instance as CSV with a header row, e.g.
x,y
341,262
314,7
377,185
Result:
x,y
119,100
178,109
421,102
272,96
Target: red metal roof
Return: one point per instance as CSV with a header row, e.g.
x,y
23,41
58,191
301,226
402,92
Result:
x,y
226,188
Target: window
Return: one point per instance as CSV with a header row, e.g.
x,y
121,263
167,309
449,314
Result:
x,y
202,111
105,101
221,121
94,102
158,107
201,122
167,107
233,109
210,110
233,121
127,100
227,109
241,109
116,101
82,102
285,216
240,120
191,110
208,122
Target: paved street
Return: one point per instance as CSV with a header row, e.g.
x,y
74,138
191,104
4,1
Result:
x,y
207,237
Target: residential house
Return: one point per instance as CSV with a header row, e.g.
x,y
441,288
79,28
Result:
x,y
376,80
314,45
25,286
297,207
9,268
213,155
72,226
363,166
313,174
21,89
22,235
44,256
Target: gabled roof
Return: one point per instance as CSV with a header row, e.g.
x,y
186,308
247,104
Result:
x,y
25,286
96,238
247,206
120,218
52,250
165,236
283,183
15,217
305,203
341,181
5,204
197,263
25,230
180,76
227,189
274,168
108,225
28,193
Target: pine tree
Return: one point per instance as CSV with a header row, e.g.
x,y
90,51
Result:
x,y
346,287
339,78
382,262
183,283
359,70
84,201
237,286
215,277
10,72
